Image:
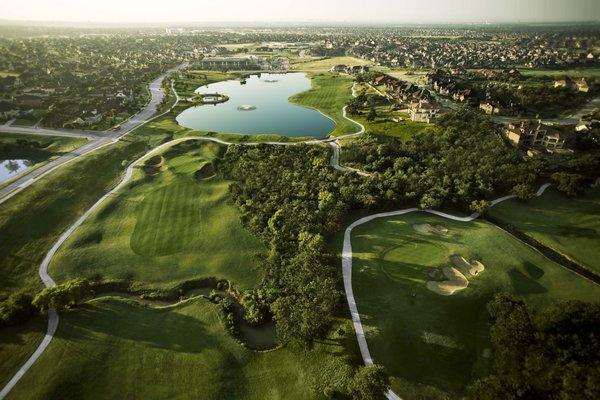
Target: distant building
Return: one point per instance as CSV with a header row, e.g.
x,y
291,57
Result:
x,y
339,68
582,85
535,134
566,83
489,108
228,63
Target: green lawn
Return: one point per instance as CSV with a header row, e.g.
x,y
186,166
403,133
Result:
x,y
17,343
432,344
324,65
570,226
32,221
329,94
165,228
114,348
559,73
36,148
404,130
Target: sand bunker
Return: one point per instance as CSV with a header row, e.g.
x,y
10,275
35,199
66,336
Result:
x,y
428,228
456,281
471,268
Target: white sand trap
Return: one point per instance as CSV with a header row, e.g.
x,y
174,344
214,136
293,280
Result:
x,y
471,268
456,281
428,228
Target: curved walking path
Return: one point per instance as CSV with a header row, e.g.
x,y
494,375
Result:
x,y
347,267
53,318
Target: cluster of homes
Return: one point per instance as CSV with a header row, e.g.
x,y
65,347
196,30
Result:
x,y
422,49
351,70
581,85
243,63
421,104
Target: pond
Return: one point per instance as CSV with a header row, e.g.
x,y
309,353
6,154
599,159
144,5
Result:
x,y
259,106
10,168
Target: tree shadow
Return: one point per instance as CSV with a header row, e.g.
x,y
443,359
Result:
x,y
523,284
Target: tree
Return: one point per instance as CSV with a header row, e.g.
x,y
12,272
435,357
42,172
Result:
x,y
17,308
523,191
372,114
569,184
63,296
554,353
479,206
369,383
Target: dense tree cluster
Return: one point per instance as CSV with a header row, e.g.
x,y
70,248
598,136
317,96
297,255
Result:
x,y
553,354
291,198
467,162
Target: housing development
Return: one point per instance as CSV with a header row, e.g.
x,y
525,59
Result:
x,y
300,210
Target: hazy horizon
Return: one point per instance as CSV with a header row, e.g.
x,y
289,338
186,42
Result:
x,y
272,11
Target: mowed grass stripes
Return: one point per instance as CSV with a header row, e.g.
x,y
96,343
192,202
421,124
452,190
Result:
x,y
164,229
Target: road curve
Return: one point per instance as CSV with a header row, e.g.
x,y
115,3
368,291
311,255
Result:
x,y
347,267
53,318
97,140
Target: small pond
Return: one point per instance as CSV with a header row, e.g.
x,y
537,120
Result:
x,y
259,106
10,168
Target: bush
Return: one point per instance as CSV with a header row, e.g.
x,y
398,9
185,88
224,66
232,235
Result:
x,y
369,383
18,308
63,296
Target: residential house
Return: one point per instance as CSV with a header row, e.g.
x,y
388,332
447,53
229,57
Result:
x,y
489,108
535,134
423,111
339,68
582,85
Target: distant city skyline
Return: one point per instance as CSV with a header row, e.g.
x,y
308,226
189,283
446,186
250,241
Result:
x,y
308,11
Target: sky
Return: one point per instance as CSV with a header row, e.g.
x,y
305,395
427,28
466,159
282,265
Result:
x,y
352,11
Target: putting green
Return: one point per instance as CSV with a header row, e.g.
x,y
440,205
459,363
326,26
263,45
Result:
x,y
570,226
119,349
434,346
164,228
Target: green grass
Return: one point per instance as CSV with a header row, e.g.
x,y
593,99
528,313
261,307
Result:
x,y
404,130
559,73
164,229
45,146
17,343
398,311
329,94
32,221
570,226
324,65
113,348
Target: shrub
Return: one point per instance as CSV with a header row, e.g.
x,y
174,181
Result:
x,y
17,308
63,296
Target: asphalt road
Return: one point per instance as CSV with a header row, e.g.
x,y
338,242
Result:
x,y
96,140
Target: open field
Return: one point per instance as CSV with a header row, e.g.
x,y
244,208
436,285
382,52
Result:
x,y
570,226
113,348
329,94
17,343
31,221
559,73
404,130
324,65
166,226
430,343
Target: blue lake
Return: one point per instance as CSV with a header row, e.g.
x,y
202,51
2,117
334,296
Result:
x,y
272,112
10,168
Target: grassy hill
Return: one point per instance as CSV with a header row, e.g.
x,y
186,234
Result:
x,y
166,226
570,226
433,344
329,94
113,348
